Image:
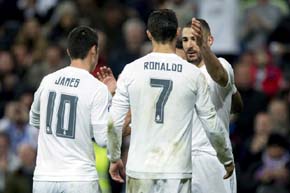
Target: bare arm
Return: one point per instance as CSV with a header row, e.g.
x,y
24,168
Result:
x,y
126,127
213,65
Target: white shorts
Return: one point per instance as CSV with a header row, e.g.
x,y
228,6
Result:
x,y
207,175
66,187
134,185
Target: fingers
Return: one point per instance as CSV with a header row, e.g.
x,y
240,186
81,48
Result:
x,y
197,31
196,27
99,76
117,177
104,73
228,174
115,174
122,172
230,169
117,171
109,71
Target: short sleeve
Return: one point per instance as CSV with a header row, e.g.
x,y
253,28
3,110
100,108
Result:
x,y
231,79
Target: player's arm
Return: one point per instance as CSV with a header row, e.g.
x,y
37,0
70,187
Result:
x,y
213,65
237,103
118,112
106,76
34,113
126,127
216,133
100,115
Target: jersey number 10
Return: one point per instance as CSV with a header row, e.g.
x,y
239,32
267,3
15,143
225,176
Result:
x,y
66,111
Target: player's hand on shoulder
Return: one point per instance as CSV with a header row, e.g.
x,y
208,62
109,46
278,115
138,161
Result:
x,y
117,171
106,76
229,169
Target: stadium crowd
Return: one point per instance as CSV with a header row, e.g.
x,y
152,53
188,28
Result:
x,y
253,35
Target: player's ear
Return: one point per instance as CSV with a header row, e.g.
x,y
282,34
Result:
x,y
178,32
97,51
210,40
67,51
93,49
149,35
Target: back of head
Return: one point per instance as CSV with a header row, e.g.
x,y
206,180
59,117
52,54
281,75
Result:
x,y
80,41
162,24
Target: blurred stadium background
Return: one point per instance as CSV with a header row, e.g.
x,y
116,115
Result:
x,y
253,35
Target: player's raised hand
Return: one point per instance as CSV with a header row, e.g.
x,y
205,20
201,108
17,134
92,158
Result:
x,y
229,169
117,171
197,31
106,76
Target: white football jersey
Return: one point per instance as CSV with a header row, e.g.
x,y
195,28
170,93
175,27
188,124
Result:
x,y
161,89
68,106
221,97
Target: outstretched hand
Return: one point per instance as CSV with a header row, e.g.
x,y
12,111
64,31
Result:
x,y
106,76
117,171
197,31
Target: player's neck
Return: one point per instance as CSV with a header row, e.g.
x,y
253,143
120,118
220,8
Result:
x,y
79,63
163,48
199,65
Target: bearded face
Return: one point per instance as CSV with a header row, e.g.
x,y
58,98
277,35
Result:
x,y
190,46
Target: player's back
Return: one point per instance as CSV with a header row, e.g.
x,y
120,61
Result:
x,y
65,147
162,92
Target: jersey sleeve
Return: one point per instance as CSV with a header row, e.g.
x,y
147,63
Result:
x,y
100,115
118,111
217,135
34,114
231,79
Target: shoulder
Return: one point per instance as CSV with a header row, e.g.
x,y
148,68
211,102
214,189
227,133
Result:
x,y
93,81
99,91
230,72
191,68
226,65
61,71
130,66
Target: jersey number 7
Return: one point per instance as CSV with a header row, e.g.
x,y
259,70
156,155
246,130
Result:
x,y
166,86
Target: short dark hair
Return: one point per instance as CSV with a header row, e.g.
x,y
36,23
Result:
x,y
179,43
203,23
162,24
80,41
